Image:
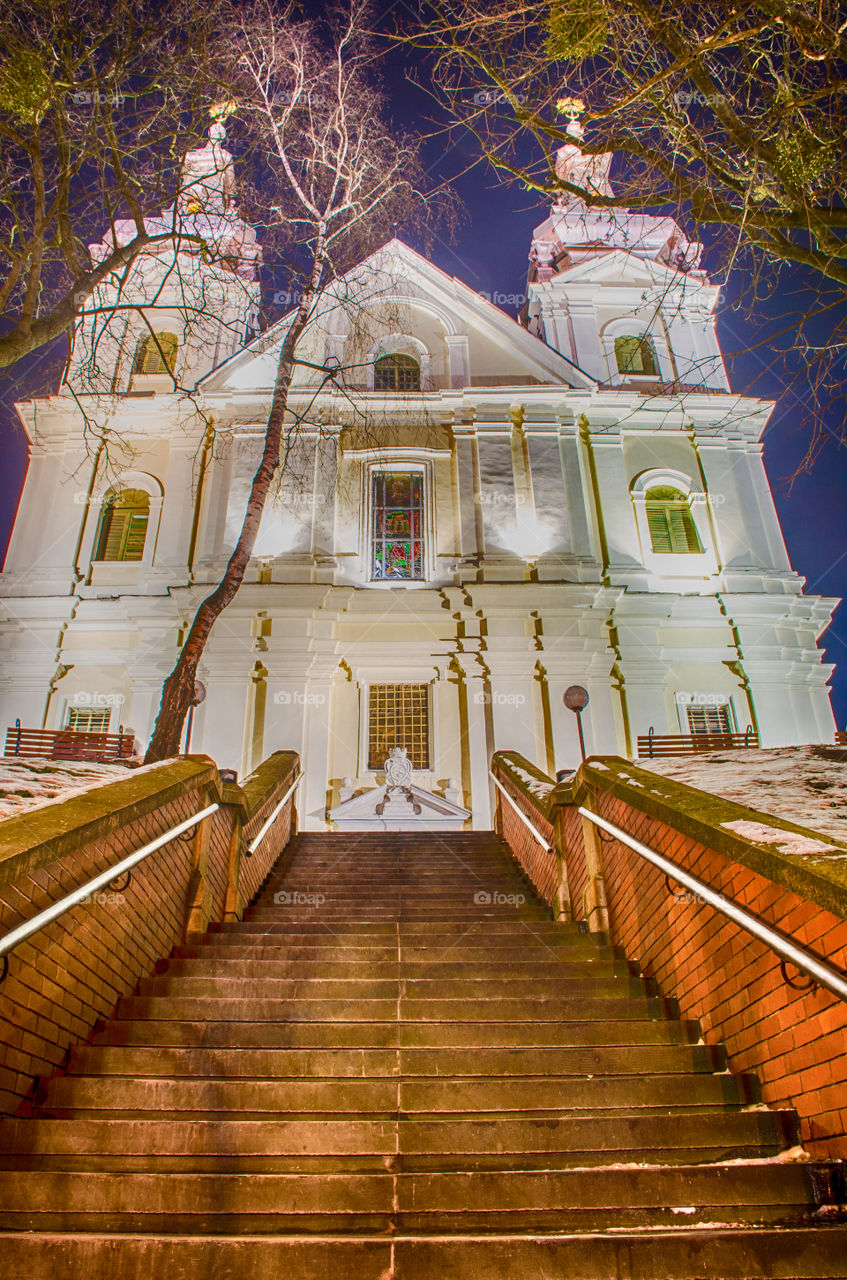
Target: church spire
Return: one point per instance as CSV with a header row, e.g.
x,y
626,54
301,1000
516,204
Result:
x,y
577,230
205,219
207,178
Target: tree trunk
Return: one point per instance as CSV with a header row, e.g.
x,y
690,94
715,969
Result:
x,y
178,689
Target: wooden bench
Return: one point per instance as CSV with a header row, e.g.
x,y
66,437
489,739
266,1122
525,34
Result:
x,y
652,745
68,744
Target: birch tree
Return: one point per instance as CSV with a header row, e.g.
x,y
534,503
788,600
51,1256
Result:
x,y
336,178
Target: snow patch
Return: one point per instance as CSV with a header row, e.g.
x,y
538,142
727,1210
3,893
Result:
x,y
35,782
806,785
785,841
534,785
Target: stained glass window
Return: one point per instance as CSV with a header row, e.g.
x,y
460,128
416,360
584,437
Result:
x,y
635,355
397,524
398,717
397,373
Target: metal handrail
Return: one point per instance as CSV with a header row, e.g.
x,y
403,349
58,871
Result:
x,y
524,819
72,899
792,952
268,823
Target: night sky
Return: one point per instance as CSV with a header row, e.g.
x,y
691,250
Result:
x,y
490,255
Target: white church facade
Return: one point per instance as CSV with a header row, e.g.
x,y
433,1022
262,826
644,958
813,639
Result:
x,y
473,514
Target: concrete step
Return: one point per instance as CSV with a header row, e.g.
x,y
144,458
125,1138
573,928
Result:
x,y
802,1253
211,1097
514,935
373,1064
560,971
497,988
388,1032
599,1006
438,1144
584,1200
332,947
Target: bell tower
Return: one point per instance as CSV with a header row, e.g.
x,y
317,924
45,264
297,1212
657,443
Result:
x,y
187,301
620,293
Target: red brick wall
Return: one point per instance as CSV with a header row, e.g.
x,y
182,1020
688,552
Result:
x,y
73,972
539,865
255,869
794,1041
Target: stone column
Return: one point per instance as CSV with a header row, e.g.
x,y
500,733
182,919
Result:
x,y
459,360
475,707
326,484
220,721
312,799
467,479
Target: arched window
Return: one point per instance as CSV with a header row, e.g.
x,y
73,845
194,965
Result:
x,y
671,524
156,354
123,525
635,354
397,373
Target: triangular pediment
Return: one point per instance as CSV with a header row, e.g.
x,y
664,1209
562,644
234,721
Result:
x,y
399,809
622,267
396,287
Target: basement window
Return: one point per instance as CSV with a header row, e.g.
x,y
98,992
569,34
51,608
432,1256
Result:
x,y
88,719
710,719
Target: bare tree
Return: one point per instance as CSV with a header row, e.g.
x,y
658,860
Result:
x,y
730,115
734,113
336,178
94,96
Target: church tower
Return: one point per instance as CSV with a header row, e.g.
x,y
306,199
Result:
x,y
185,303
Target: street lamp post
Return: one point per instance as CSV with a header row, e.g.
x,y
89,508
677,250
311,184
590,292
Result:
x,y
575,699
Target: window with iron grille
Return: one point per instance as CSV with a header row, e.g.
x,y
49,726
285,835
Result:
x,y
671,524
88,719
397,373
398,716
397,548
123,525
709,719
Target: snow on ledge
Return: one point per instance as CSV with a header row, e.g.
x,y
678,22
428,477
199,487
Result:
x,y
784,841
806,785
534,786
34,782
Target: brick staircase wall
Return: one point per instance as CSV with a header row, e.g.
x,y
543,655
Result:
x,y
71,974
718,972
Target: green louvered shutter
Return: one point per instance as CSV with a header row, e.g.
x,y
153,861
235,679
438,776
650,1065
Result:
x,y
671,524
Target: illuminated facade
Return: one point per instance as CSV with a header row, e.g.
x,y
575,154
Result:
x,y
474,514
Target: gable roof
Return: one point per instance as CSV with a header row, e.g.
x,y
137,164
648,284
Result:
x,y
399,273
